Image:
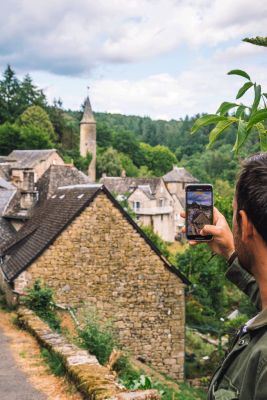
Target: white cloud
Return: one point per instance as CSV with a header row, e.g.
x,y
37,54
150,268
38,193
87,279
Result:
x,y
71,38
242,51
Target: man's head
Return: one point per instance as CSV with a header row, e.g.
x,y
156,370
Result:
x,y
250,207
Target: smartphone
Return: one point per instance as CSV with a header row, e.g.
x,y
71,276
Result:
x,y
199,210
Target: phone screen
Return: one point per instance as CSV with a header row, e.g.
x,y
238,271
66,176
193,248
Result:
x,y
199,210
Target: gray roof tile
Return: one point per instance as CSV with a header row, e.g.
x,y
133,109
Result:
x,y
179,175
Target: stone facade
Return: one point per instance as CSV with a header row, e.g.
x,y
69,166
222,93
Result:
x,y
101,258
88,137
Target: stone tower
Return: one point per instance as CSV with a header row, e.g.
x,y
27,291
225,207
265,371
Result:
x,y
88,137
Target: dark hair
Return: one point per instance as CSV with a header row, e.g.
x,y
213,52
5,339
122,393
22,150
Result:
x,y
251,192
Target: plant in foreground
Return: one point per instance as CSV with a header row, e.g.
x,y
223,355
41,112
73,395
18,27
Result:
x,y
143,382
54,362
40,300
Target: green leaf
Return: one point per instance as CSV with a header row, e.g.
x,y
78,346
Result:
x,y
241,135
208,119
258,41
221,126
239,111
258,116
265,95
263,136
256,99
240,73
243,90
225,107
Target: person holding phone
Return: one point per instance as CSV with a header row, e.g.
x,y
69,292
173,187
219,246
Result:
x,y
243,371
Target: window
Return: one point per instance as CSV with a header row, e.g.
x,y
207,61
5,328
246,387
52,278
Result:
x,y
161,217
136,205
170,203
161,189
54,162
137,218
131,189
178,216
183,185
161,202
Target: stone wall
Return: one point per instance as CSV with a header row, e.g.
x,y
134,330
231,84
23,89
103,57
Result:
x,y
102,259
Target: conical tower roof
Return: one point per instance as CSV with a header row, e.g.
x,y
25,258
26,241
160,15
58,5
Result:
x,y
88,116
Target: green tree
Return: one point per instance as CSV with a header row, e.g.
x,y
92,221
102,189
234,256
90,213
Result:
x,y
104,135
9,88
36,116
127,143
81,163
33,138
57,119
126,163
109,163
29,137
10,138
159,159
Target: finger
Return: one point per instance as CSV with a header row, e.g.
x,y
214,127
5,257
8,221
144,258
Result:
x,y
182,214
209,230
196,242
183,229
216,215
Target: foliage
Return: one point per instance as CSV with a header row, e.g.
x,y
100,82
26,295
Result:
x,y
156,239
81,163
159,159
244,123
258,41
127,143
144,382
122,199
144,173
29,137
109,163
54,361
16,96
98,335
104,135
58,119
4,306
223,188
36,116
40,300
126,163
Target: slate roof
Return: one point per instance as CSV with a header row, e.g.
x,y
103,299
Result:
x,y
3,159
28,158
13,209
5,171
49,221
179,175
5,184
7,231
59,175
147,191
123,185
88,179
88,116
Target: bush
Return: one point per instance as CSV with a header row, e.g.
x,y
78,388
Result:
x,y
54,361
156,239
98,335
40,300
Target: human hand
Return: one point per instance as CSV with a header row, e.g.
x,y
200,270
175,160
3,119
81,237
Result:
x,y
222,242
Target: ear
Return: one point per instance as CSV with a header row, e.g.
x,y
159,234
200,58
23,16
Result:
x,y
246,227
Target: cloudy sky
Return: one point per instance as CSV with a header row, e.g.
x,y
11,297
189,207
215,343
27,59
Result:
x,y
200,198
160,58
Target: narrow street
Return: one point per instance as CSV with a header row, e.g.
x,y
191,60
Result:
x,y
13,382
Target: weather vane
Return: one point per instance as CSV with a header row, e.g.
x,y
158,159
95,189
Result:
x,y
88,87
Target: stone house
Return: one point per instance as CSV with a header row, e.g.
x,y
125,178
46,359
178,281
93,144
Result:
x,y
176,181
150,199
23,203
85,246
27,166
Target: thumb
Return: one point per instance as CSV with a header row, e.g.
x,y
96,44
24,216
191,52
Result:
x,y
209,230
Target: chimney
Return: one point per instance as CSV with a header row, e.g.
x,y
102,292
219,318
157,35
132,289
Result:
x,y
104,175
123,174
174,166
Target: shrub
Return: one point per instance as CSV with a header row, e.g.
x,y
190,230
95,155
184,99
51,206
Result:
x,y
98,335
40,300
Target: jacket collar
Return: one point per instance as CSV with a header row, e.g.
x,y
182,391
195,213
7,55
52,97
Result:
x,y
260,321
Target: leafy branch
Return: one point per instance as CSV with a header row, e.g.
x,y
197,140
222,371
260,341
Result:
x,y
256,117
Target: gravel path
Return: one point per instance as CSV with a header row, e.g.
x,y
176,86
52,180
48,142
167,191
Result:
x,y
13,382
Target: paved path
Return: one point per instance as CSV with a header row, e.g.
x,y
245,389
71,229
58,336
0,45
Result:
x,y
13,382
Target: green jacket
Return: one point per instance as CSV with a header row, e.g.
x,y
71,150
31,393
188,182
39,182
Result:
x,y
243,373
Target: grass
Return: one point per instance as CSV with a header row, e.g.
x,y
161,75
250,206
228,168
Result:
x,y
3,304
22,354
54,362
